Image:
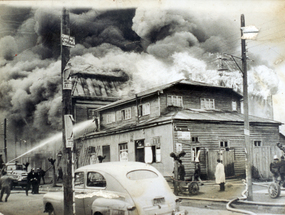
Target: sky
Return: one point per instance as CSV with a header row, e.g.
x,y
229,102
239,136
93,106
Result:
x,y
152,42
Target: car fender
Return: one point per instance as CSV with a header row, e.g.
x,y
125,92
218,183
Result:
x,y
103,205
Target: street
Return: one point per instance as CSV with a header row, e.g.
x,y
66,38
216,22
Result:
x,y
20,204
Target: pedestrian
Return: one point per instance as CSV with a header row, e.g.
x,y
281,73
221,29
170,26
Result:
x,y
220,175
282,169
197,173
32,181
274,168
5,184
60,174
42,175
181,171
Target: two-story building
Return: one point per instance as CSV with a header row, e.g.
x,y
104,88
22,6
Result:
x,y
203,120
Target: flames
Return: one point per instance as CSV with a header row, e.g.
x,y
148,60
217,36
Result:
x,y
144,47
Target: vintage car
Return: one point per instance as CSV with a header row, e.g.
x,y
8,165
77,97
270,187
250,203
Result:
x,y
121,188
19,174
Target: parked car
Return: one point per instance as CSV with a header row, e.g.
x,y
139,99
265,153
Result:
x,y
120,188
19,174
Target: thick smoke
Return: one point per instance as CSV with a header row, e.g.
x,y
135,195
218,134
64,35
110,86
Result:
x,y
151,46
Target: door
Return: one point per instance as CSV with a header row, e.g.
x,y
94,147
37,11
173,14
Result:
x,y
139,147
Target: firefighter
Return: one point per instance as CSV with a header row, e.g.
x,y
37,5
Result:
x,y
274,168
5,184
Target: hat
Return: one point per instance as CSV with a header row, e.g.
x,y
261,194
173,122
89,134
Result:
x,y
275,157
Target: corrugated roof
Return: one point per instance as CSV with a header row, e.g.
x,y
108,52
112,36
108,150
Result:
x,y
162,87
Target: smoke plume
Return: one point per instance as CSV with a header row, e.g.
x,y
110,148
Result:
x,y
151,47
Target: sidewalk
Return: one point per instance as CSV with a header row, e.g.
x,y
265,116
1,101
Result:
x,y
234,188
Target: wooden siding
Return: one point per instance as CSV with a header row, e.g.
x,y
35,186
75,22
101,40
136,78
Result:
x,y
192,96
154,112
147,134
262,157
210,135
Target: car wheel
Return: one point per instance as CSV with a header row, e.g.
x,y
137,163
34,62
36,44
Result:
x,y
98,213
274,190
193,188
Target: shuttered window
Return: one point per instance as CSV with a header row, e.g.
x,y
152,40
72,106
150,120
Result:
x,y
174,101
207,103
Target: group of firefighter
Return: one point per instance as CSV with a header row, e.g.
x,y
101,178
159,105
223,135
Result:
x,y
277,168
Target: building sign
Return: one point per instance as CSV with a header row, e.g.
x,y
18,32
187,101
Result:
x,y
67,40
67,84
178,147
68,128
183,135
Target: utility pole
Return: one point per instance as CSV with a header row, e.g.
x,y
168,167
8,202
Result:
x,y
5,140
66,112
248,145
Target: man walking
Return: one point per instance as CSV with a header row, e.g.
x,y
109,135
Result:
x,y
5,184
274,168
220,175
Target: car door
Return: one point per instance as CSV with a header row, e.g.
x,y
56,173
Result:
x,y
95,182
79,189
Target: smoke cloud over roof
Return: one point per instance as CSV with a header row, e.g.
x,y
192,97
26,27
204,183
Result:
x,y
151,46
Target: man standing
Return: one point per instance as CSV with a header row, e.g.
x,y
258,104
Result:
x,y
5,184
220,175
32,180
282,169
274,168
181,171
60,174
42,175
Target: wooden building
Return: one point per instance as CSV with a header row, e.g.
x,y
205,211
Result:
x,y
203,120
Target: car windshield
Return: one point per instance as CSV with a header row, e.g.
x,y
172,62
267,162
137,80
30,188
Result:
x,y
141,174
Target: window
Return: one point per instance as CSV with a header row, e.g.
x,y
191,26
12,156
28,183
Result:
x,y
234,106
126,113
141,174
257,143
224,144
111,117
195,139
123,151
144,109
79,180
95,179
207,103
174,101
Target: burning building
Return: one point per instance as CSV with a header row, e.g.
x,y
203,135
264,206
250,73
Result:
x,y
118,53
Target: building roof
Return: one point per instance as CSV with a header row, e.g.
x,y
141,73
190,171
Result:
x,y
160,88
198,115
